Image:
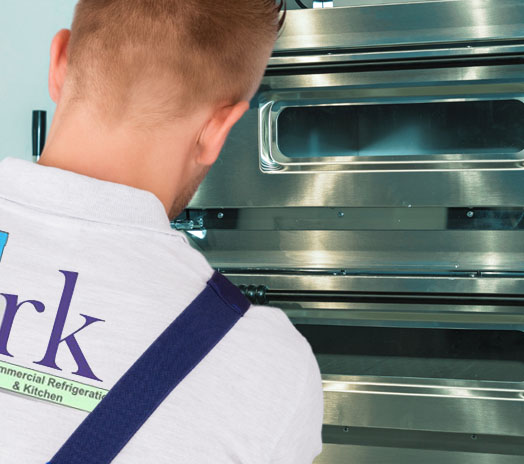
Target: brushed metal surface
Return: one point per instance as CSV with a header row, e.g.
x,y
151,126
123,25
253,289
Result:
x,y
461,283
454,416
349,454
448,22
419,316
337,57
440,79
372,244
369,249
424,441
495,182
431,405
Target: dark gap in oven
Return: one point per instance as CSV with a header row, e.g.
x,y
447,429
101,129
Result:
x,y
319,218
489,355
276,296
485,219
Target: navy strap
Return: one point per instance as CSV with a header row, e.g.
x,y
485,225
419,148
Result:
x,y
127,406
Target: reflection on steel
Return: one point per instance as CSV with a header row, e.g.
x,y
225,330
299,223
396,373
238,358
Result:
x,y
400,260
189,224
420,421
450,24
424,388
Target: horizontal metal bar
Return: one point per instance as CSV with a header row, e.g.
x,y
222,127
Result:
x,y
449,53
451,284
512,391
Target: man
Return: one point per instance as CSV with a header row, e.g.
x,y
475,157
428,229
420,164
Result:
x,y
91,272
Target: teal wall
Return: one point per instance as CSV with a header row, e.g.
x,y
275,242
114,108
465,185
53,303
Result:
x,y
26,30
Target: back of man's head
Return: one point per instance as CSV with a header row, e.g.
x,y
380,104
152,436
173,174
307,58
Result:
x,y
148,90
169,55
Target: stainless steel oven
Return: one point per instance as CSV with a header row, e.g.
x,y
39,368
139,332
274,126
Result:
x,y
375,192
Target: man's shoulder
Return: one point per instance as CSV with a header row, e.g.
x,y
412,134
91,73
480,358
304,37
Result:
x,y
288,382
274,322
271,339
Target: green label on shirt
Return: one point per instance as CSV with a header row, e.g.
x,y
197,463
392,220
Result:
x,y
49,388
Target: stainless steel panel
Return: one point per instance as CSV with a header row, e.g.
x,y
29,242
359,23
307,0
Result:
x,y
225,186
369,420
479,86
442,79
365,250
418,404
362,219
349,454
396,315
440,409
446,22
461,283
496,183
363,56
368,246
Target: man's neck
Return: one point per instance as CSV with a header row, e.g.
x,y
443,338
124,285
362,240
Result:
x,y
114,153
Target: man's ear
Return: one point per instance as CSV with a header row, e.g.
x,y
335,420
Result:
x,y
58,65
215,132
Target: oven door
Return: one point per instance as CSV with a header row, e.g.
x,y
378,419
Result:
x,y
430,135
415,368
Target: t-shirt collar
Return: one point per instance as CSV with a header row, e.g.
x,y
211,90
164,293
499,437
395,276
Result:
x,y
75,195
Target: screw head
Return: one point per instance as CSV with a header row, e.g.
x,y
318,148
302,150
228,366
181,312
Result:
x,y
470,214
220,215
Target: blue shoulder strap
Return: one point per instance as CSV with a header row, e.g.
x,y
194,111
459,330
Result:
x,y
127,406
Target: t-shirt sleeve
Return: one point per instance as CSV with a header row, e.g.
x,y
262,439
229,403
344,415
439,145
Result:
x,y
301,441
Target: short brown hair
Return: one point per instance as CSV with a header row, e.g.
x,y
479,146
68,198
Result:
x,y
212,49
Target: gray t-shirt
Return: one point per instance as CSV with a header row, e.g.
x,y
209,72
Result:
x,y
90,274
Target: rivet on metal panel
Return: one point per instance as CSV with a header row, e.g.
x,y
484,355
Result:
x,y
220,215
470,214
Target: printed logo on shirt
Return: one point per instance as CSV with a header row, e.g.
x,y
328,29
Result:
x,y
3,242
36,384
39,385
